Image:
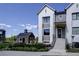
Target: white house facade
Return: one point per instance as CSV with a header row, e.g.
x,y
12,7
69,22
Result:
x,y
53,25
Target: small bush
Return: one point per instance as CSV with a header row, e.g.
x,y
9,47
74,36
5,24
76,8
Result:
x,y
43,49
19,45
38,46
4,45
26,49
67,46
34,49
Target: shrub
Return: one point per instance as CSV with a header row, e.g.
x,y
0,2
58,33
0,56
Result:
x,y
26,49
34,49
23,47
19,45
4,45
38,46
17,48
29,45
43,49
67,46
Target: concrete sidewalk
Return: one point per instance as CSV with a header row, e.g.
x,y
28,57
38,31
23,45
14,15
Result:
x,y
24,53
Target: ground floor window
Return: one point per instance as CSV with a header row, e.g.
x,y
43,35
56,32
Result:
x,y
46,31
75,30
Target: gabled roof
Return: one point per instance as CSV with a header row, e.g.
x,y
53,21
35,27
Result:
x,y
25,34
44,7
69,6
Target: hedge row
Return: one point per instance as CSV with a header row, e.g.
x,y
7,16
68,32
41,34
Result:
x,y
23,47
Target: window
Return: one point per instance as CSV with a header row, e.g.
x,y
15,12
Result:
x,y
78,16
0,32
75,16
75,30
46,19
77,5
46,31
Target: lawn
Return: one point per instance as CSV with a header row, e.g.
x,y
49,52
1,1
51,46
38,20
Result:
x,y
75,50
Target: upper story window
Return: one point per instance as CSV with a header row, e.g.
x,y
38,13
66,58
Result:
x,y
75,16
77,5
46,19
0,32
46,31
75,30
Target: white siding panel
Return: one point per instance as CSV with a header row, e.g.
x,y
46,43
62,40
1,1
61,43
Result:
x,y
50,13
70,23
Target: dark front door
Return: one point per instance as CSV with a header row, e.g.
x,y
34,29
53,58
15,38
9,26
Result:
x,y
23,40
59,32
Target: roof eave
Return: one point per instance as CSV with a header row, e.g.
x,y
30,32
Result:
x,y
69,6
44,7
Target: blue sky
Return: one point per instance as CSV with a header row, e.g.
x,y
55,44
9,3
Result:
x,y
14,18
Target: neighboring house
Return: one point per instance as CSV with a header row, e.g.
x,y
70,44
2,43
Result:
x,y
26,37
53,25
2,35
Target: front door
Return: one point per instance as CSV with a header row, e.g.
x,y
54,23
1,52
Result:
x,y
59,33
23,40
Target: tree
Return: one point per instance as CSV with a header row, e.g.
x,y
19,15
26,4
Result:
x,y
11,39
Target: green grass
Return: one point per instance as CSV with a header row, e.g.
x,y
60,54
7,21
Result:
x,y
75,50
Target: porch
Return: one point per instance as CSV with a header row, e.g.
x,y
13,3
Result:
x,y
60,29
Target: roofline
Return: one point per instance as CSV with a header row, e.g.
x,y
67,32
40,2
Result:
x,y
69,6
61,12
44,7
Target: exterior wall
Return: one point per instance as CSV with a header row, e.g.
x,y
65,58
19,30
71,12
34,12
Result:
x,y
50,13
60,18
20,41
46,25
46,37
71,23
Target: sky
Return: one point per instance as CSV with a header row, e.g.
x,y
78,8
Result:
x,y
14,18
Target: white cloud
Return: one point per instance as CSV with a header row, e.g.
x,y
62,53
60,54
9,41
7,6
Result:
x,y
8,26
29,26
22,25
15,30
2,25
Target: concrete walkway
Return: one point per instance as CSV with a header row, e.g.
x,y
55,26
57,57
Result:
x,y
59,46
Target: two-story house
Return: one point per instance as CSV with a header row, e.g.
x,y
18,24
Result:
x,y
53,25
